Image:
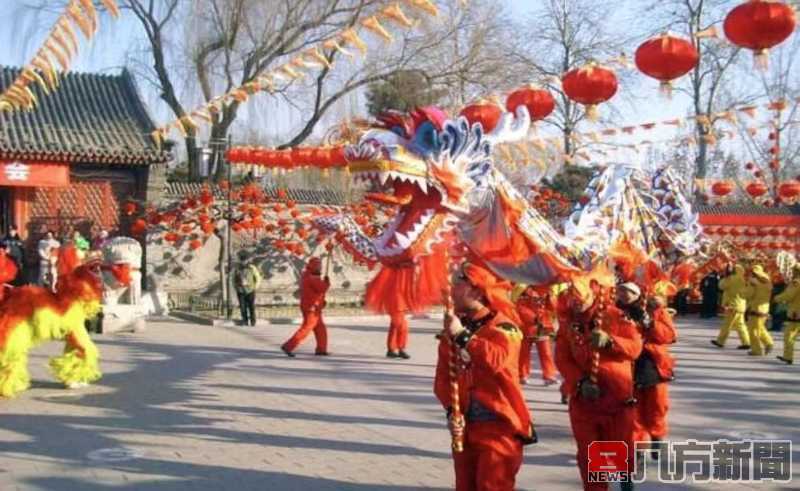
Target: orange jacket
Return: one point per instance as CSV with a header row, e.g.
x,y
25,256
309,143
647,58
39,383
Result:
x,y
491,376
574,354
536,313
312,291
657,340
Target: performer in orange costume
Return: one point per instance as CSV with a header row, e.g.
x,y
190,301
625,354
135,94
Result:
x,y
397,339
536,310
600,397
655,366
498,423
312,300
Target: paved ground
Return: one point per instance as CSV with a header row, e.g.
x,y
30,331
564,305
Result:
x,y
183,406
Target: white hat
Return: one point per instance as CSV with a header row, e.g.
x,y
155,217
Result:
x,y
632,287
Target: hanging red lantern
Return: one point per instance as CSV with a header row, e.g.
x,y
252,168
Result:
x,y
666,58
484,112
302,156
750,166
789,190
540,102
774,164
171,237
756,189
129,208
138,227
759,25
722,188
195,244
590,85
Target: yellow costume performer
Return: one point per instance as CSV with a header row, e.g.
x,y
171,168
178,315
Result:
x,y
759,292
791,298
734,289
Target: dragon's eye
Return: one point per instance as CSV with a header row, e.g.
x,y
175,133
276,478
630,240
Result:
x,y
426,138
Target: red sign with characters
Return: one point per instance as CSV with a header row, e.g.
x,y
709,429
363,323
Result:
x,y
34,174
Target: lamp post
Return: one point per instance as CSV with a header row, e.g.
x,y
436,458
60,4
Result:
x,y
219,147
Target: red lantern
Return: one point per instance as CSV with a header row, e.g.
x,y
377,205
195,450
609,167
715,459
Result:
x,y
760,25
789,190
756,189
129,208
302,156
666,58
195,244
483,112
171,237
540,102
721,188
590,85
138,227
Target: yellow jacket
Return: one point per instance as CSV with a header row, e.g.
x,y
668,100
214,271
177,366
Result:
x,y
734,289
759,291
791,298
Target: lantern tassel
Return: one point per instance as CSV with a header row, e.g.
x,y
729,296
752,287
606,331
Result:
x,y
592,113
665,89
761,60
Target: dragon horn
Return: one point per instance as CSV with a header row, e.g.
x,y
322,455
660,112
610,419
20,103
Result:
x,y
511,127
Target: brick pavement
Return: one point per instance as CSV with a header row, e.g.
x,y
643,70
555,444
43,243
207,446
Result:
x,y
188,407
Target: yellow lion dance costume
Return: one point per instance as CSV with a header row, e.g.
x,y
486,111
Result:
x,y
31,315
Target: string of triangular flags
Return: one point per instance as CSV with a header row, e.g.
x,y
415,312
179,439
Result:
x,y
55,54
556,143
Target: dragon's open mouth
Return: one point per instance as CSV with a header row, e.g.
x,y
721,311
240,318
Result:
x,y
419,223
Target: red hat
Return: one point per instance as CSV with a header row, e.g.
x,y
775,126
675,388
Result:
x,y
496,291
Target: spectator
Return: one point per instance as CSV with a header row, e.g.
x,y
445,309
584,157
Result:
x,y
100,241
246,280
48,259
16,251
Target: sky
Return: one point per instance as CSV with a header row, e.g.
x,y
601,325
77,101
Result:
x,y
21,36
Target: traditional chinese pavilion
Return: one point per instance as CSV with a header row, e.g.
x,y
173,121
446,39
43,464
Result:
x,y
74,159
756,228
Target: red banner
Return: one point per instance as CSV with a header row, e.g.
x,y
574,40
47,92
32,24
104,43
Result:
x,y
33,174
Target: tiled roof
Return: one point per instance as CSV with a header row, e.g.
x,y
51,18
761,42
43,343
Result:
x,y
89,118
301,196
747,210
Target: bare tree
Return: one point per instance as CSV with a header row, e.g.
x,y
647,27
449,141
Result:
x,y
776,151
564,35
713,73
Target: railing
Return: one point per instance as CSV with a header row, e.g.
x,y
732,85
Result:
x,y
268,304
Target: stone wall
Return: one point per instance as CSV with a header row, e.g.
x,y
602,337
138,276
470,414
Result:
x,y
178,270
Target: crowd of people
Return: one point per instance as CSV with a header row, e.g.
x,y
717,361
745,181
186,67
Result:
x,y
50,251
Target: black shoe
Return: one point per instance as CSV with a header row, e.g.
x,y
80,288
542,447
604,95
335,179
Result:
x,y
404,355
564,399
322,353
717,343
743,346
288,353
785,360
392,354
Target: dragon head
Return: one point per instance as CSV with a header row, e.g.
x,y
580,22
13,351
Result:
x,y
427,165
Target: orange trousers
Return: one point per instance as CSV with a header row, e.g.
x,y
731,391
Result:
x,y
312,321
398,332
651,413
546,363
491,458
589,426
